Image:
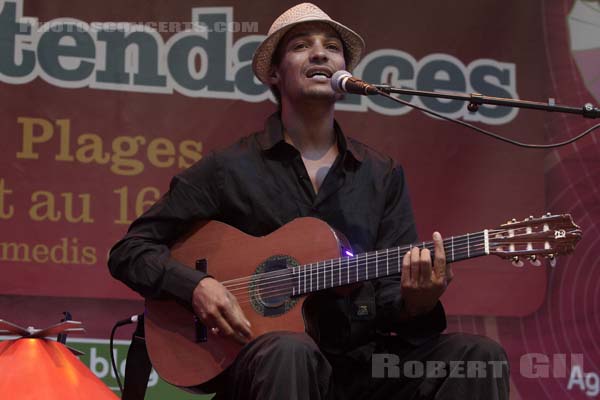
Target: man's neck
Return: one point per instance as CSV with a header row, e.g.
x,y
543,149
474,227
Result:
x,y
309,128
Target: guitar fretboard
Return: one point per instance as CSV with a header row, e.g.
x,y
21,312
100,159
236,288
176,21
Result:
x,y
378,264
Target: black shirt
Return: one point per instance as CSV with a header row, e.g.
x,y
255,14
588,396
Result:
x,y
259,184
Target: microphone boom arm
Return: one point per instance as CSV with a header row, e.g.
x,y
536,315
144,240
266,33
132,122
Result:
x,y
476,99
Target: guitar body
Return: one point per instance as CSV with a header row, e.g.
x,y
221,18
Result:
x,y
268,274
171,332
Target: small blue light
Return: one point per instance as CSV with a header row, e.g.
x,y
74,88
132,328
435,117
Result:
x,y
349,254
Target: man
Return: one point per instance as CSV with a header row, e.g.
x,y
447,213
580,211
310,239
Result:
x,y
303,165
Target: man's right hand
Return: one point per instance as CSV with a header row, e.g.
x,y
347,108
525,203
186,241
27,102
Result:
x,y
219,311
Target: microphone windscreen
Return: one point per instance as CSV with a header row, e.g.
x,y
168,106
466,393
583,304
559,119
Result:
x,y
337,80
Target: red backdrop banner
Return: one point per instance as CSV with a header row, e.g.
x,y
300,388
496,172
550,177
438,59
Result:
x,y
103,102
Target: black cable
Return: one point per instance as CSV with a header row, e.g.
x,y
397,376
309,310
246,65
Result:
x,y
488,133
120,323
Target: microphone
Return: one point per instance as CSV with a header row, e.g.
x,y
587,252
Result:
x,y
343,82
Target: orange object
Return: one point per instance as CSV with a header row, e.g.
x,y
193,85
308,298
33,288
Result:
x,y
45,369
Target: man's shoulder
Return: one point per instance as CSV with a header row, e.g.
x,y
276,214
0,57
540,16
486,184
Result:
x,y
370,156
239,154
244,146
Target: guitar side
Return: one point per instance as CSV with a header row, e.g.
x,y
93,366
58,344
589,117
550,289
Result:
x,y
231,254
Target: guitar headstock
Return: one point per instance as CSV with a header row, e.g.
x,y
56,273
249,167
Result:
x,y
548,236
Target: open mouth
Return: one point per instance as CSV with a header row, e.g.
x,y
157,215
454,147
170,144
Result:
x,y
319,74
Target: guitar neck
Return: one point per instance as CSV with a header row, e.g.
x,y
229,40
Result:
x,y
362,267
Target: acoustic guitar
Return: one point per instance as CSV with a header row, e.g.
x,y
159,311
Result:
x,y
271,276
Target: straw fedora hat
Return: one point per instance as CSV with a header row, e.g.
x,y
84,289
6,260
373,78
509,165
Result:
x,y
304,12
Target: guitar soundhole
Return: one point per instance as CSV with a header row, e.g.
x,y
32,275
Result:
x,y
271,287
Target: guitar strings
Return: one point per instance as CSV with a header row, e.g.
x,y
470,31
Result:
x,y
362,273
246,297
285,289
282,283
268,277
456,241
263,279
275,277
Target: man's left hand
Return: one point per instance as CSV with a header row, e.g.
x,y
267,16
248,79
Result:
x,y
422,283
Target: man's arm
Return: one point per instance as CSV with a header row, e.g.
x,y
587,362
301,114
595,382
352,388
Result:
x,y
142,259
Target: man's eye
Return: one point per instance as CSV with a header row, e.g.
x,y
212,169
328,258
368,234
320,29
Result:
x,y
299,46
333,46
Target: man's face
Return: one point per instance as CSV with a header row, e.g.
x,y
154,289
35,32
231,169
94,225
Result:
x,y
308,55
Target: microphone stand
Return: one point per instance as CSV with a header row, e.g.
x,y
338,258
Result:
x,y
475,100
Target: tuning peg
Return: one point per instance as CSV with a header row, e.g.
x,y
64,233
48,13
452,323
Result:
x,y
548,214
534,260
516,262
552,259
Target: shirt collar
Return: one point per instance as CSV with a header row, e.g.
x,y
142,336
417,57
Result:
x,y
272,137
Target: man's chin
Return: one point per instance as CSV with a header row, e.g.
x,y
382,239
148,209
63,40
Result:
x,y
322,93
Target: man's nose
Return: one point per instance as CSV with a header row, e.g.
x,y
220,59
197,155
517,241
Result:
x,y
318,53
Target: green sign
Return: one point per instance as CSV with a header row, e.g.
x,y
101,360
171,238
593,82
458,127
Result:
x,y
97,359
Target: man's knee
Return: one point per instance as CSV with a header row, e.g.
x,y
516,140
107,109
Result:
x,y
286,344
480,356
487,349
476,347
277,362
